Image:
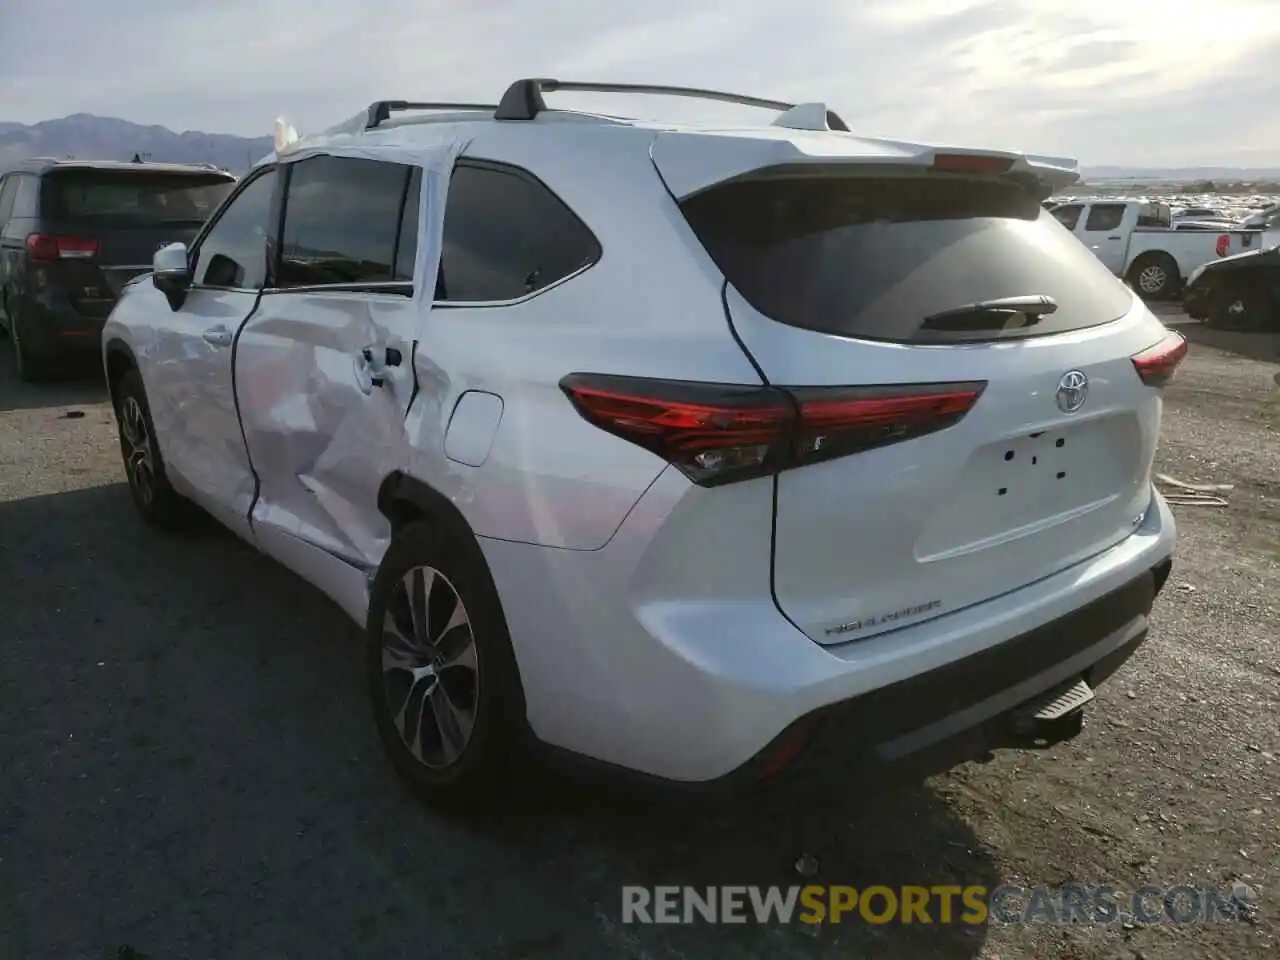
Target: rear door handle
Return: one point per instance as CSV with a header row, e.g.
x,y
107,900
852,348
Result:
x,y
372,364
219,336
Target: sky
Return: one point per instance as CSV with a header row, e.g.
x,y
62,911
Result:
x,y
1135,82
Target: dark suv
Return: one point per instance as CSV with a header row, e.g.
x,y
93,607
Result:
x,y
73,232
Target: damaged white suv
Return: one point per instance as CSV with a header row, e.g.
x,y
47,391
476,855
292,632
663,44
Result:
x,y
678,447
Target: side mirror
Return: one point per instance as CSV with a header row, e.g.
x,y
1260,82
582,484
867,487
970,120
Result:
x,y
171,272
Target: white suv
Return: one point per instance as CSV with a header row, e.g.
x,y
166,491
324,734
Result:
x,y
672,446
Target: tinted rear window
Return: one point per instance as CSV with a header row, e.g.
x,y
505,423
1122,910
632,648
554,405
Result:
x,y
134,197
874,257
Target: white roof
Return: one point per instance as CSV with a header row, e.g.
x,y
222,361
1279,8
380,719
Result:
x,y
691,155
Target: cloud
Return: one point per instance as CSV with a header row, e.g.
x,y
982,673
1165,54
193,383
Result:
x,y
1104,80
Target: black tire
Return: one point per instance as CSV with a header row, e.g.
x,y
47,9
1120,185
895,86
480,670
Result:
x,y
475,775
1246,309
157,502
1155,277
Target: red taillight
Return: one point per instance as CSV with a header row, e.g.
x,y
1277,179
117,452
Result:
x,y
1224,244
1156,365
716,433
972,163
42,246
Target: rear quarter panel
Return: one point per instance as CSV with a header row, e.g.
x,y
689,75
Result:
x,y
649,307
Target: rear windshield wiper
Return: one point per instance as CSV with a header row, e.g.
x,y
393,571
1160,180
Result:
x,y
991,314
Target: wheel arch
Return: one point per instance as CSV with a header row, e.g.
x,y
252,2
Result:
x,y
1152,256
118,359
403,500
1165,259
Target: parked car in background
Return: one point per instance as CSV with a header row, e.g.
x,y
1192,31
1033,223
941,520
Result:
x,y
1268,221
72,233
1237,293
1136,240
675,448
1204,214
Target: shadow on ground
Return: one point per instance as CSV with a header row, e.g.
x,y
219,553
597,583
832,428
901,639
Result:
x,y
76,380
191,770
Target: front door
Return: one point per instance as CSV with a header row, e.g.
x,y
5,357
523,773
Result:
x,y
190,370
324,367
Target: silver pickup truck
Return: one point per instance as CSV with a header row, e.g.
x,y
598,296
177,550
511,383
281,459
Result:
x,y
1137,241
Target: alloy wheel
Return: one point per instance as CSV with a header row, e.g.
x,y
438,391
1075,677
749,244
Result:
x,y
138,461
1153,278
430,669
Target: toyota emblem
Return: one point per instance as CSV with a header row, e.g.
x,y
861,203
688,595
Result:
x,y
1073,389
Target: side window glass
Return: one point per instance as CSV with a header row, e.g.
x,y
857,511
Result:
x,y
1105,216
505,236
1068,216
8,187
26,201
341,220
234,251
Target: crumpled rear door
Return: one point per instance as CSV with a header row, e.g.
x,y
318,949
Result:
x,y
323,423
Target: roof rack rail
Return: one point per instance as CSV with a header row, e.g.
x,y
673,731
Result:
x,y
380,110
523,99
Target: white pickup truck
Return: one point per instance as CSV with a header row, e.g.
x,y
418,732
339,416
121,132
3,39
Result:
x,y
1135,239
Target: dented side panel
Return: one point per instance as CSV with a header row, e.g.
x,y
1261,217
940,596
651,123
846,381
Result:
x,y
324,422
321,436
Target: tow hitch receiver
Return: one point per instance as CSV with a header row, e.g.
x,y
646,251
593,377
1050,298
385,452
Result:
x,y
1054,717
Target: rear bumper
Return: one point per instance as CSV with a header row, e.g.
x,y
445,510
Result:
x,y
932,722
929,723
52,325
647,661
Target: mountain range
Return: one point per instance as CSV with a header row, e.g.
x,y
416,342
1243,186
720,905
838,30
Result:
x,y
86,136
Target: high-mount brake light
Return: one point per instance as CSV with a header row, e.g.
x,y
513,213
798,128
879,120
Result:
x,y
1157,364
718,433
42,246
971,163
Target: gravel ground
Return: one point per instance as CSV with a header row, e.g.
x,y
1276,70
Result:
x,y
190,771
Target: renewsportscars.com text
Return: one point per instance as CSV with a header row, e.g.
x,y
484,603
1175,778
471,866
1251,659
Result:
x,y
943,904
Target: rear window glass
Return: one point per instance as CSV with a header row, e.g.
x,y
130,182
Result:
x,y
875,257
1154,215
132,196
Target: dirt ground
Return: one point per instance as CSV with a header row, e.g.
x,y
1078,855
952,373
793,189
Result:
x,y
1177,778
189,769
